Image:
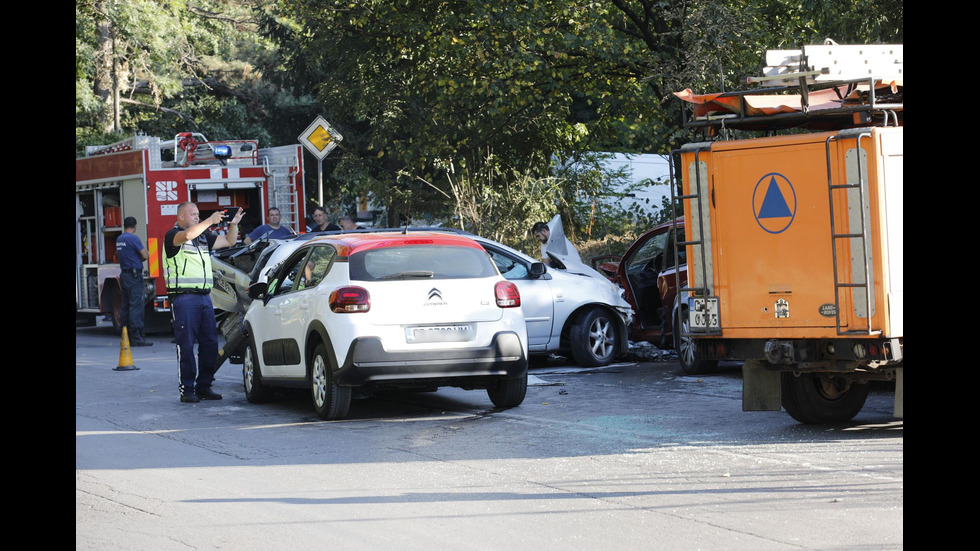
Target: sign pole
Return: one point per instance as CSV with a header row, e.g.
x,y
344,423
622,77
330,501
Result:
x,y
319,181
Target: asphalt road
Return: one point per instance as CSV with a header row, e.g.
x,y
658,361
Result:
x,y
632,456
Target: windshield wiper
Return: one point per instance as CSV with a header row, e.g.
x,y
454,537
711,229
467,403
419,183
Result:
x,y
406,275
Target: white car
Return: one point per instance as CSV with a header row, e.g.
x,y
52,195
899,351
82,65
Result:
x,y
569,310
407,310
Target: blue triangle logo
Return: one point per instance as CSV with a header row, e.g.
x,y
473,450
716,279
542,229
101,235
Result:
x,y
774,204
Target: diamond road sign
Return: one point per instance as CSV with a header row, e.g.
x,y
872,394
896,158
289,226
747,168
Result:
x,y
320,138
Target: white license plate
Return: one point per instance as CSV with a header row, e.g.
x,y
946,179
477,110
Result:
x,y
440,333
704,314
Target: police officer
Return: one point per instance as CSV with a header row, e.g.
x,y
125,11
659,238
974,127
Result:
x,y
131,254
189,280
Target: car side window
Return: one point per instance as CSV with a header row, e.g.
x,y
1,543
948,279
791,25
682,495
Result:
x,y
316,266
288,277
671,248
510,268
649,257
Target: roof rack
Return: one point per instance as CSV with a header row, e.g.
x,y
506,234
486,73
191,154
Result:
x,y
823,87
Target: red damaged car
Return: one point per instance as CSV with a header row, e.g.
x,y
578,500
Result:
x,y
650,276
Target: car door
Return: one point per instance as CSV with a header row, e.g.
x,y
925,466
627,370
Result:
x,y
673,276
537,298
640,272
279,329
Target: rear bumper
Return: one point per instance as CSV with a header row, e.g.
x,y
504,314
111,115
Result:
x,y
369,363
797,353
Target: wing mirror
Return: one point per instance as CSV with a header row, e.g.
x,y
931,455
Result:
x,y
538,269
257,290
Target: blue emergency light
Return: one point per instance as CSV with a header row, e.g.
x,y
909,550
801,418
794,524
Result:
x,y
222,151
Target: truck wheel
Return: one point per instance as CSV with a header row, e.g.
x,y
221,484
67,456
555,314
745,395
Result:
x,y
815,398
329,400
593,339
255,391
508,393
686,349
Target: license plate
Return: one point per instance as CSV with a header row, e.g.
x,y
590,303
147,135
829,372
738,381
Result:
x,y
704,314
439,333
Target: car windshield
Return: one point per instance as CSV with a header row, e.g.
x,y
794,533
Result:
x,y
420,261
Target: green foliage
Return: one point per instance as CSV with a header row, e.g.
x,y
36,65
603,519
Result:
x,y
477,113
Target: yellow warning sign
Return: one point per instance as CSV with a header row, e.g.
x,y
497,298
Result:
x,y
320,138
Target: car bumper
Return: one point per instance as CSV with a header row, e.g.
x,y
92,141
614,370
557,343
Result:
x,y
368,362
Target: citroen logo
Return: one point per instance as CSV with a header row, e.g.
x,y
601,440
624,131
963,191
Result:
x,y
434,293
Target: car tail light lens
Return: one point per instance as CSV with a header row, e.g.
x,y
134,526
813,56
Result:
x,y
507,294
350,300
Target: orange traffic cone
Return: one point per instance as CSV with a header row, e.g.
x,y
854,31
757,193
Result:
x,y
125,354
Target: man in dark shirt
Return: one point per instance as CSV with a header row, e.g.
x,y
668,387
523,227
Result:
x,y
131,254
320,221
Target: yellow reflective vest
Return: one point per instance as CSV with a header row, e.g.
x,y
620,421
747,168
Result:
x,y
190,269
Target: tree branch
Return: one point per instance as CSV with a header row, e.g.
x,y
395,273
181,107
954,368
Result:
x,y
185,117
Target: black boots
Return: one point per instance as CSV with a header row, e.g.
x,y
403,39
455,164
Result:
x,y
136,338
207,394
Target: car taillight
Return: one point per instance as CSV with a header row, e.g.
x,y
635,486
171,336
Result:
x,y
350,300
507,294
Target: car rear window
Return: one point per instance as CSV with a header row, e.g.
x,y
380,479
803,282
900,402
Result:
x,y
420,262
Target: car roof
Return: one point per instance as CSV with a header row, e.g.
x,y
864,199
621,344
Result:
x,y
353,242
679,222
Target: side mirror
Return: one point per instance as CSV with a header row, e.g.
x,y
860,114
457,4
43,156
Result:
x,y
257,290
538,269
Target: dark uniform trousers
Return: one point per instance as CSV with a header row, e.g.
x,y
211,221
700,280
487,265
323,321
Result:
x,y
194,322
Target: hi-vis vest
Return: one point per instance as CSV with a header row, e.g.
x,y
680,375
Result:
x,y
190,268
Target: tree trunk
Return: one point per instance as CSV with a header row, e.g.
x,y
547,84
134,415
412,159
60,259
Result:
x,y
104,75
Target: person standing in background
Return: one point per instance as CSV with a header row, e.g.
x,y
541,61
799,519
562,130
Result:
x,y
271,229
320,221
131,255
347,222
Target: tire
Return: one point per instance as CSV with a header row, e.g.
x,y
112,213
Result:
x,y
687,351
508,393
113,300
255,391
593,338
330,401
813,398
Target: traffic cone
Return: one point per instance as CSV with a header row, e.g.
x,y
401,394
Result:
x,y
125,354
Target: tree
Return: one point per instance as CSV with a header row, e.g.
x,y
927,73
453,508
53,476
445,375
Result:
x,y
162,67
449,108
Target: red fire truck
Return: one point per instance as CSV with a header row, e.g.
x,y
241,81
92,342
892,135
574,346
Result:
x,y
147,178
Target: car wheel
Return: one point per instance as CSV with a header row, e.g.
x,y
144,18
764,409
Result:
x,y
255,391
329,400
508,393
686,349
819,399
593,339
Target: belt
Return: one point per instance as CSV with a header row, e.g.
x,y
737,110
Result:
x,y
190,292
132,271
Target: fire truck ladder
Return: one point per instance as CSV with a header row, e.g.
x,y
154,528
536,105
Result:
x,y
857,235
697,236
283,192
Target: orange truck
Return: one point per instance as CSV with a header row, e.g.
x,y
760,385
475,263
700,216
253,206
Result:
x,y
147,178
795,241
